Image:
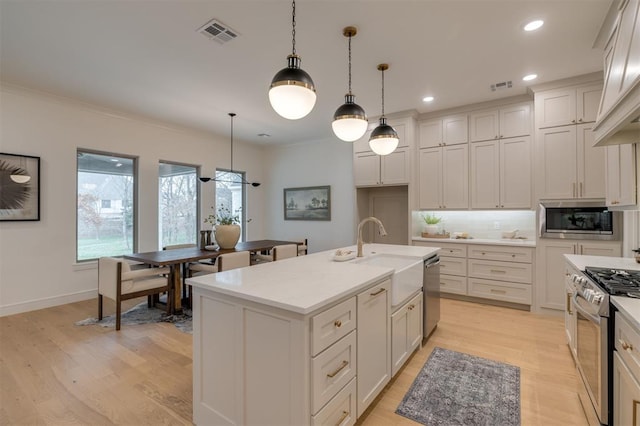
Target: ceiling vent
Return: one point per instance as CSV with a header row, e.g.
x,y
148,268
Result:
x,y
500,86
216,30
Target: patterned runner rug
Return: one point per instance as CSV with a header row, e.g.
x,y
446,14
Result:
x,y
460,389
141,314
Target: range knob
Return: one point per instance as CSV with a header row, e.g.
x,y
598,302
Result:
x,y
597,298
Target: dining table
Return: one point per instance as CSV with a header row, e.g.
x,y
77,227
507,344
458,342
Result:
x,y
175,258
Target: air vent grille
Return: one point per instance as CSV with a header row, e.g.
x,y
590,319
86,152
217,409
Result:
x,y
501,85
216,30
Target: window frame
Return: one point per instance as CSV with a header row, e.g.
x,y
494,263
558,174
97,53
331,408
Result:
x,y
198,198
243,212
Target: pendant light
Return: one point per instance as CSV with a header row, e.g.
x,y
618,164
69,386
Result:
x,y
349,121
242,181
384,138
292,93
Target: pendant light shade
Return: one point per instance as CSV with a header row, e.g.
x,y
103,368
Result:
x,y
292,93
349,121
384,138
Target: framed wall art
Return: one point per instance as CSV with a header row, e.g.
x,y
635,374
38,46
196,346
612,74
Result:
x,y
310,203
19,187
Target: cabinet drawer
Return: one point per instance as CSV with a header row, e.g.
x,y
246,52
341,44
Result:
x,y
453,266
331,325
331,370
451,249
508,292
503,253
453,284
341,410
628,337
502,271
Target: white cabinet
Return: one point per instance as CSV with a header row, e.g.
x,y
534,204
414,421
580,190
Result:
x,y
374,343
572,105
626,372
551,266
568,166
570,320
621,177
451,130
406,332
444,177
507,122
501,174
371,169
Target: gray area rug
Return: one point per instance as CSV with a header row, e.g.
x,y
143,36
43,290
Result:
x,y
141,314
460,389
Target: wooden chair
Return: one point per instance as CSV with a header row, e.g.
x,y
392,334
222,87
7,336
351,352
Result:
x,y
224,262
280,252
118,282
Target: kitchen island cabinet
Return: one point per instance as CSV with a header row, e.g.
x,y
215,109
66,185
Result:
x,y
300,341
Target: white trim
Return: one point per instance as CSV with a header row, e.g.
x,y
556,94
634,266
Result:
x,y
47,302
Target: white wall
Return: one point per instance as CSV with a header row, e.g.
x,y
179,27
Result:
x,y
37,259
326,162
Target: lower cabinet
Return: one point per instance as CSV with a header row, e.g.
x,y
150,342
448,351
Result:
x,y
406,332
256,364
626,373
570,320
374,338
551,266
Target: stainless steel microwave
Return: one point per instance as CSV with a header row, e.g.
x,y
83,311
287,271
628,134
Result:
x,y
576,219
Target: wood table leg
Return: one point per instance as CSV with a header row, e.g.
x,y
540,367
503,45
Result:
x,y
177,293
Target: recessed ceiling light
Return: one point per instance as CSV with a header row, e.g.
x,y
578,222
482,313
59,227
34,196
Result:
x,y
530,77
534,25
428,99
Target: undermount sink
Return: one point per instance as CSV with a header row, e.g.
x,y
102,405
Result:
x,y
407,275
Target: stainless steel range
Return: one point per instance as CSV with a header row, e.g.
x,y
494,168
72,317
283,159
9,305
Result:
x,y
594,348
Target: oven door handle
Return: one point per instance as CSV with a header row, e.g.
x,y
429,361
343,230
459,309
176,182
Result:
x,y
578,307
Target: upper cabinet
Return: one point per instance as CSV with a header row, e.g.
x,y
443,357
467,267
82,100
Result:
x,y
620,103
371,169
444,177
621,175
507,122
574,105
450,130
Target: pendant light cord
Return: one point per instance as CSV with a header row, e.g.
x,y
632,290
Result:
x,y
293,25
231,114
382,93
349,63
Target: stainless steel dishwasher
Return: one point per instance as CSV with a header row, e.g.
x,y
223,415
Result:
x,y
431,291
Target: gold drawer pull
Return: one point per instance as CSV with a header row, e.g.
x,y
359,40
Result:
x,y
343,365
498,271
634,420
345,414
337,323
626,346
493,290
382,290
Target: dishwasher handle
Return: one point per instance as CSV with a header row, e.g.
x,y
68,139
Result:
x,y
431,262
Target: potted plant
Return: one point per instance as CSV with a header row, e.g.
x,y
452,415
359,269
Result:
x,y
431,223
226,227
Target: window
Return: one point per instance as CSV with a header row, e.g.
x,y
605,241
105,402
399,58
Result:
x,y
178,204
230,192
106,194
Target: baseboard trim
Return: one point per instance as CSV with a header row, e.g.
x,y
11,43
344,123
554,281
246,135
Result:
x,y
48,302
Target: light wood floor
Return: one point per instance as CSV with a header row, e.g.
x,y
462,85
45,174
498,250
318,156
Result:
x,y
53,372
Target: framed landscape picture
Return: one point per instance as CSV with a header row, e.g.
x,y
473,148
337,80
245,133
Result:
x,y
19,187
310,203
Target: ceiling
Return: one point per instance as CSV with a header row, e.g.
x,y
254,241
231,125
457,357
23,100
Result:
x,y
147,57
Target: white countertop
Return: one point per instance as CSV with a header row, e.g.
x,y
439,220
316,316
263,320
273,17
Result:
x,y
628,306
306,283
518,242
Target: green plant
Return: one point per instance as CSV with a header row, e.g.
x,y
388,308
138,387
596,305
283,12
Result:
x,y
223,217
431,219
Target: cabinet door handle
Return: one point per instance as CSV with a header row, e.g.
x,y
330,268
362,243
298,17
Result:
x,y
498,271
337,323
345,414
375,293
634,421
573,189
580,120
493,290
569,304
626,346
410,307
580,189
339,369
573,121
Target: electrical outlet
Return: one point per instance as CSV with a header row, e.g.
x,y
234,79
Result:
x,y
496,225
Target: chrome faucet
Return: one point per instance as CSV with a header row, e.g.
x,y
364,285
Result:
x,y
381,230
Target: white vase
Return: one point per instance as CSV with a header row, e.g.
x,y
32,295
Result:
x,y
227,236
431,229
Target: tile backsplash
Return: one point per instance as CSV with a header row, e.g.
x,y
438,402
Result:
x,y
481,223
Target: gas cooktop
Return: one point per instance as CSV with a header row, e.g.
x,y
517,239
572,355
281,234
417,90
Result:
x,y
617,282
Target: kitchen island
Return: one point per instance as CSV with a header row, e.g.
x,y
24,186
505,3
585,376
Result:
x,y
305,340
